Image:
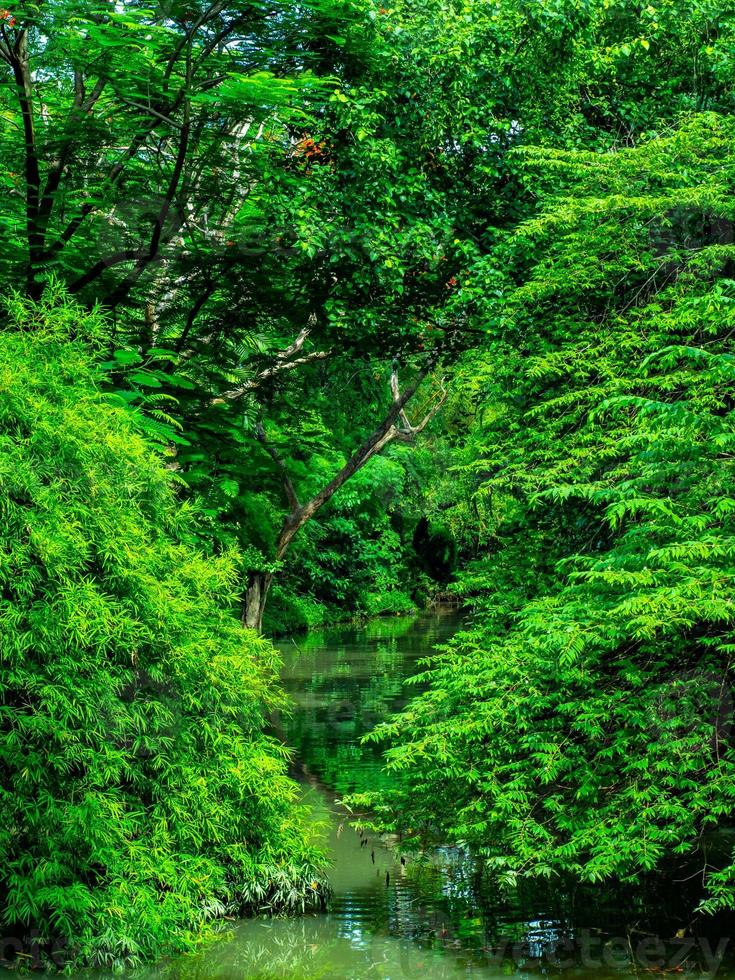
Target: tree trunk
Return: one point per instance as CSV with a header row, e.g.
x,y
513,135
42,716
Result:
x,y
395,425
256,595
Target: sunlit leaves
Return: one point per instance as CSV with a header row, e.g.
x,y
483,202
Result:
x,y
582,724
140,797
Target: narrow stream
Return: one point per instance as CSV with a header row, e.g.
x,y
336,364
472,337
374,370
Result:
x,y
439,917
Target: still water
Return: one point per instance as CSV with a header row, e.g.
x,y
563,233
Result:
x,y
438,917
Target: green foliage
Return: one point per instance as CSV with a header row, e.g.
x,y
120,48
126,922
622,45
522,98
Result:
x,y
285,207
288,612
582,723
356,558
140,798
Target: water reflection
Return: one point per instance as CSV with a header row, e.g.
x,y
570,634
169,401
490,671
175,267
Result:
x,y
343,682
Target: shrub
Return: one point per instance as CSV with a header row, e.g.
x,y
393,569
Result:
x,y
139,797
287,612
389,601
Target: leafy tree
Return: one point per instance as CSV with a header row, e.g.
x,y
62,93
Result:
x,y
582,724
230,179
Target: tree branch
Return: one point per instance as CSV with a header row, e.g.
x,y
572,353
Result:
x,y
83,105
112,178
385,433
406,431
118,169
271,372
283,362
123,288
117,258
260,582
18,55
193,314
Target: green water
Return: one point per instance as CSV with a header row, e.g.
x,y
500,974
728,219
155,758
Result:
x,y
439,917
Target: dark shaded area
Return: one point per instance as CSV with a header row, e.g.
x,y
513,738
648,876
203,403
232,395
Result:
x,y
436,550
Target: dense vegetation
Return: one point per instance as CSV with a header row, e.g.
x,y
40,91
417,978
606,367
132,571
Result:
x,y
140,799
582,724
318,310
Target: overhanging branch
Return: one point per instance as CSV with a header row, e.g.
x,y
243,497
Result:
x,y
283,361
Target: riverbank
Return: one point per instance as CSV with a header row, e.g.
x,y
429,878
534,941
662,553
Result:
x,y
288,614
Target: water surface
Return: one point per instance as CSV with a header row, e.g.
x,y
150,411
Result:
x,y
439,917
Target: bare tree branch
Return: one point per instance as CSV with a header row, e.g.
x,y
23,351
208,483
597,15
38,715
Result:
x,y
284,361
407,432
385,433
298,343
279,368
395,425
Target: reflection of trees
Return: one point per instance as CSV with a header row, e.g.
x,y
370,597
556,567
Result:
x,y
343,684
285,950
334,710
307,949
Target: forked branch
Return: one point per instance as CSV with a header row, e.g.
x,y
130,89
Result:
x,y
406,431
395,425
283,361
